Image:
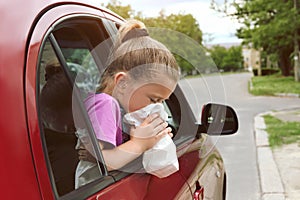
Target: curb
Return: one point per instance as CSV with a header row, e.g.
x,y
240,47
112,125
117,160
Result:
x,y
270,180
292,95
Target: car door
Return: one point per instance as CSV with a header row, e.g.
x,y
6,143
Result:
x,y
66,53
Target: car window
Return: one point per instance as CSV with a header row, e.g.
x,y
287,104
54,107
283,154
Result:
x,y
56,115
69,68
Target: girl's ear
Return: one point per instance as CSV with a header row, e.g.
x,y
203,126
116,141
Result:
x,y
120,79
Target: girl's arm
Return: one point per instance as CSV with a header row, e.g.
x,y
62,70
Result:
x,y
142,138
130,150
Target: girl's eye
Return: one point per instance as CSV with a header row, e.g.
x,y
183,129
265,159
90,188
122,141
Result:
x,y
156,100
153,100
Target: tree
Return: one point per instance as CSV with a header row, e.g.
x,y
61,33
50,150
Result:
x,y
269,25
124,11
227,59
233,59
183,23
217,53
189,56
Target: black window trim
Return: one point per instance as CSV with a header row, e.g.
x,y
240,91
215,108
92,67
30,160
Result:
x,y
42,134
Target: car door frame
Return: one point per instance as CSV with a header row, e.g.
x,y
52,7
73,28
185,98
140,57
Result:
x,y
40,29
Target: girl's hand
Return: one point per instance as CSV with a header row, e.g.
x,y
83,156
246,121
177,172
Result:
x,y
147,143
151,126
150,132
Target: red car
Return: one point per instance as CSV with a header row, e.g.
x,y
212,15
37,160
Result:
x,y
38,139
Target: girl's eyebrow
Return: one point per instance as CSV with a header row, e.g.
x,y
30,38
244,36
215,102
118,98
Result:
x,y
157,96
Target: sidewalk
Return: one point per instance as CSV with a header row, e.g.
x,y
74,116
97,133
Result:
x,y
279,170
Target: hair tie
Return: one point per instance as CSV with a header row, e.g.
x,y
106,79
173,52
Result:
x,y
135,33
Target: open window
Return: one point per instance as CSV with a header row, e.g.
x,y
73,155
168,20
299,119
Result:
x,y
71,60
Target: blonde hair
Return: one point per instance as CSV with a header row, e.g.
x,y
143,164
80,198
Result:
x,y
134,48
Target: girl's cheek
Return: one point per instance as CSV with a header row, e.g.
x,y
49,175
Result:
x,y
137,104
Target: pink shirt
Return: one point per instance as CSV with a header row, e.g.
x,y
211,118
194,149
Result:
x,y
105,115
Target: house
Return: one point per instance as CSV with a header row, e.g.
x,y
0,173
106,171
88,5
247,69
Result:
x,y
251,58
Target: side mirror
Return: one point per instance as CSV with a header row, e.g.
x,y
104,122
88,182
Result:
x,y
218,119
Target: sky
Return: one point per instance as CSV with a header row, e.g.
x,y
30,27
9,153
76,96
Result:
x,y
216,28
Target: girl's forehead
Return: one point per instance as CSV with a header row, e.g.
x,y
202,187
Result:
x,y
155,83
154,72
154,90
161,77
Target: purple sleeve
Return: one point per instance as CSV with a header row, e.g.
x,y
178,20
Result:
x,y
105,116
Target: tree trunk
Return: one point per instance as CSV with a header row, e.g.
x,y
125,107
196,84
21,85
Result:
x,y
285,62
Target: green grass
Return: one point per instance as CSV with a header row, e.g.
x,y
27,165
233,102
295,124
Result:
x,y
273,84
281,132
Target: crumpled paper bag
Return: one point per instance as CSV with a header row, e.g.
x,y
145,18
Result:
x,y
161,160
86,171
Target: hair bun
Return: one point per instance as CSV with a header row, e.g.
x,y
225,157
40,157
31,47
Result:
x,y
135,33
132,29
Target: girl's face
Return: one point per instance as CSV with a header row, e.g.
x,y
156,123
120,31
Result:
x,y
147,94
134,95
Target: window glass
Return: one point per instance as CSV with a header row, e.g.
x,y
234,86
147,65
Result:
x,y
85,45
55,103
82,46
62,120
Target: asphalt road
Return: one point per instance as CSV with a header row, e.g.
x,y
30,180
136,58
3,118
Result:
x,y
238,150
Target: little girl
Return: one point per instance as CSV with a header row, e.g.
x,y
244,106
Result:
x,y
140,71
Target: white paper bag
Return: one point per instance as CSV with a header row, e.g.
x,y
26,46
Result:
x,y
137,117
86,171
161,160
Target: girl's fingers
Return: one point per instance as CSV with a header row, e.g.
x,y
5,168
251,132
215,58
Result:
x,y
161,134
161,127
157,122
169,129
149,119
